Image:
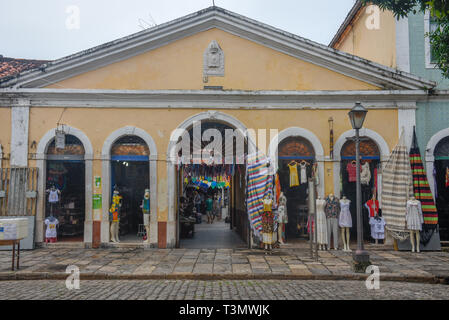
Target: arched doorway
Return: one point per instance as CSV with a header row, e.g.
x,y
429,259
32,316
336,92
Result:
x,y
223,181
441,188
65,171
370,158
296,154
130,176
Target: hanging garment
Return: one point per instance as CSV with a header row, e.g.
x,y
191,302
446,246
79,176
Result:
x,y
447,178
294,180
414,215
51,224
114,214
282,216
332,207
321,222
303,173
365,174
258,183
352,173
277,189
267,222
345,219
421,187
397,187
377,228
53,197
373,207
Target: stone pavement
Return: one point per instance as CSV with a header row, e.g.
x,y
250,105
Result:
x,y
213,264
161,290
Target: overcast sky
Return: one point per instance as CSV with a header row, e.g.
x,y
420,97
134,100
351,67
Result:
x,y
48,29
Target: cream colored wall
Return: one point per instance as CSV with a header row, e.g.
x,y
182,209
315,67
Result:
x,y
98,124
248,66
5,134
378,45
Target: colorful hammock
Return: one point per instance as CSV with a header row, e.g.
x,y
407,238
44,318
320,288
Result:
x,y
397,188
257,185
421,186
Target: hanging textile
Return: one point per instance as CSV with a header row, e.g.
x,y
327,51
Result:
x,y
294,179
258,183
397,188
447,178
421,186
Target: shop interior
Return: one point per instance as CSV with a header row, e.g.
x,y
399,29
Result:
x,y
369,154
225,185
66,172
130,176
296,153
441,176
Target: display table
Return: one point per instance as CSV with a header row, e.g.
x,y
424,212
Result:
x,y
13,243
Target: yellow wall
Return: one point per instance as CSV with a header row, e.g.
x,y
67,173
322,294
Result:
x,y
98,124
5,134
378,45
248,66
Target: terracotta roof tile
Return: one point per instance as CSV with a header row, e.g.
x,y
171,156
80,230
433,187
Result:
x,y
10,67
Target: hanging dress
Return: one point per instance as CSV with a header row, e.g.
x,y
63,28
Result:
x,y
345,220
321,225
303,173
294,180
365,174
267,222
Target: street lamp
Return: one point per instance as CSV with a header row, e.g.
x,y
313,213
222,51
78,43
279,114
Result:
x,y
357,117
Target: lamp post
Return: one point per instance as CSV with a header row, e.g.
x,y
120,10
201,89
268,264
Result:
x,y
357,117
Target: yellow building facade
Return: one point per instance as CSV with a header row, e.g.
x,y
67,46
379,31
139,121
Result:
x,y
151,83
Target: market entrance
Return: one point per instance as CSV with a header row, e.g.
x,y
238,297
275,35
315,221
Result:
x,y
65,191
130,177
211,195
441,177
370,163
296,158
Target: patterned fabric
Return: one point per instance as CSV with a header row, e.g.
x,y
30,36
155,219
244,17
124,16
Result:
x,y
332,207
258,185
114,211
421,186
277,189
294,180
365,174
373,207
397,188
352,173
267,227
447,178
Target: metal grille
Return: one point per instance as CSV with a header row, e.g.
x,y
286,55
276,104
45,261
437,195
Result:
x,y
18,191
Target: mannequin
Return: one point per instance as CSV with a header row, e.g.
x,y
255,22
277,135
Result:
x,y
332,211
267,224
114,215
282,218
345,222
146,213
415,220
321,225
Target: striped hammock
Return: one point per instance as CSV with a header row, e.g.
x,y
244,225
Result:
x,y
397,188
258,185
421,186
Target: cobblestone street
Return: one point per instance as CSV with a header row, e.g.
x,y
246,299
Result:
x,y
222,290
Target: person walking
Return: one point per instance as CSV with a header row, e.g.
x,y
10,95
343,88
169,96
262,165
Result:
x,y
209,208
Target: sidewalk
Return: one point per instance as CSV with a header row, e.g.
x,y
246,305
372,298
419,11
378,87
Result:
x,y
214,264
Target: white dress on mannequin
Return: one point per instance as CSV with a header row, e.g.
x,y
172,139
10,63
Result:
x,y
345,219
321,225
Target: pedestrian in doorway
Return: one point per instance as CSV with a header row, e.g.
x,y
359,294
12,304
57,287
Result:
x,y
216,207
209,208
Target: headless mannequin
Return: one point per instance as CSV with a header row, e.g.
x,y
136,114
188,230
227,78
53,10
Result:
x,y
345,235
332,231
114,216
53,197
146,213
414,234
322,247
268,245
282,206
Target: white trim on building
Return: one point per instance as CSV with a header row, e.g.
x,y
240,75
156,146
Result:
x,y
430,157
